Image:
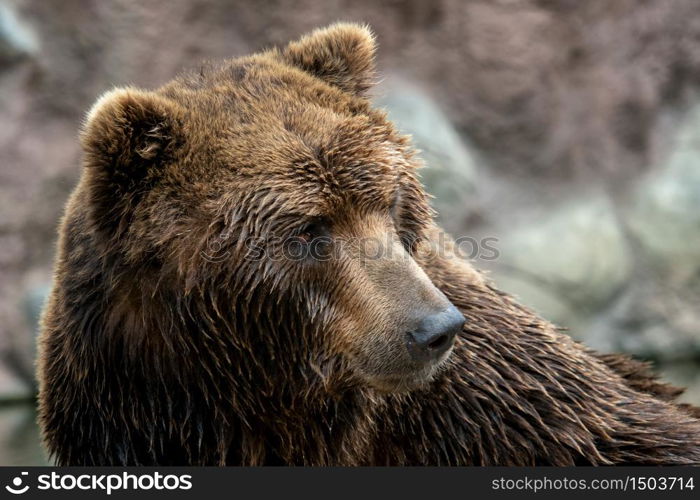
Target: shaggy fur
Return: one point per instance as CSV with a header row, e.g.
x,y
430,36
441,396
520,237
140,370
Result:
x,y
170,339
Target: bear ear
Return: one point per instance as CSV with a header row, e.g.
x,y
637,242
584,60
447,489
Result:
x,y
126,133
341,55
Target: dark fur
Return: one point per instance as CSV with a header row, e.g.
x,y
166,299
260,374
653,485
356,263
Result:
x,y
161,348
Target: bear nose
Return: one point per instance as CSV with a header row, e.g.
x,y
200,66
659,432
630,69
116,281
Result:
x,y
434,335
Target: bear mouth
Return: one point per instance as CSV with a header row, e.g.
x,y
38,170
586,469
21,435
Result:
x,y
395,384
419,377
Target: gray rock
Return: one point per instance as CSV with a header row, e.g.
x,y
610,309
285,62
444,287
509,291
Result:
x,y
539,297
651,320
17,40
20,352
665,211
658,316
34,303
576,259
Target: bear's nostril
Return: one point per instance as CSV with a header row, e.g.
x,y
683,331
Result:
x,y
438,342
434,335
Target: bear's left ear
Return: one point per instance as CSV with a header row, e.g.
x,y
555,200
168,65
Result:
x,y
341,55
127,132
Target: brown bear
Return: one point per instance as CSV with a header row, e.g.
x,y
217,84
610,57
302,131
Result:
x,y
249,273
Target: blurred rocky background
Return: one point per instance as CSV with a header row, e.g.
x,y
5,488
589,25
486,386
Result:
x,y
568,130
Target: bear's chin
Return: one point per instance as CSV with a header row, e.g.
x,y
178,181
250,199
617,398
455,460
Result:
x,y
396,383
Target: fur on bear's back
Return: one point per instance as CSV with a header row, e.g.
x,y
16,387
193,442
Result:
x,y
162,344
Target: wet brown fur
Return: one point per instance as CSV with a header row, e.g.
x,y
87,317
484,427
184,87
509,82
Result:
x,y
164,343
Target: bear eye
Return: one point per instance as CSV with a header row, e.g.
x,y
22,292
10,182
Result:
x,y
312,231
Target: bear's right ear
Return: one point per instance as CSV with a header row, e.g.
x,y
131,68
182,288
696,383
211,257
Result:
x,y
127,134
128,137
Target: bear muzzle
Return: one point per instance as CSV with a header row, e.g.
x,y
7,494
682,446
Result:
x,y
434,335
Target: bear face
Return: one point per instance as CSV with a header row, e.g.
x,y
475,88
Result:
x,y
269,190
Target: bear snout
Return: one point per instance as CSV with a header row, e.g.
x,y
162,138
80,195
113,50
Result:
x,y
434,335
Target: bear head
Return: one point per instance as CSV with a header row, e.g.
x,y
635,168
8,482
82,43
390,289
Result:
x,y
266,217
